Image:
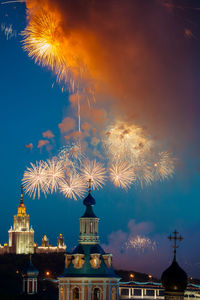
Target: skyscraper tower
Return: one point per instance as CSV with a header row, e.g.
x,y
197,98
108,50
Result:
x,y
88,270
21,235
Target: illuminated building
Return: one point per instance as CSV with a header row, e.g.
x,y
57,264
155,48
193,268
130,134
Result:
x,y
21,235
88,270
47,248
45,241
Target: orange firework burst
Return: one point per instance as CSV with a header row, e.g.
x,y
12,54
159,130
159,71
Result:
x,y
43,41
122,174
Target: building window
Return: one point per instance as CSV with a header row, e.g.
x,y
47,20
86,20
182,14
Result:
x,y
76,294
30,287
97,294
124,292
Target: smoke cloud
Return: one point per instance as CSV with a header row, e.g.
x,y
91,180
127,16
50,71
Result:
x,y
138,56
48,134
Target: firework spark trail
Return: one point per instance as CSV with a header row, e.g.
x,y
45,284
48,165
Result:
x,y
144,171
72,155
17,1
122,174
8,31
54,174
140,244
164,166
79,114
34,179
95,171
74,187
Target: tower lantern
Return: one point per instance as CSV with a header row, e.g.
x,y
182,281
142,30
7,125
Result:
x,y
30,282
88,272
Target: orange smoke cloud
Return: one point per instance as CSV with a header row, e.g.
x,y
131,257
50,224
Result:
x,y
48,134
29,146
67,124
134,52
42,143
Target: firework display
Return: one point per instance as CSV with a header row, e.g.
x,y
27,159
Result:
x,y
34,179
74,187
122,174
94,171
140,244
135,160
128,155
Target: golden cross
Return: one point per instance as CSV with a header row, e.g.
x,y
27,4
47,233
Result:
x,y
175,238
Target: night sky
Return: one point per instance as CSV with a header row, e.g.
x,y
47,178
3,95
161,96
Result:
x,y
159,85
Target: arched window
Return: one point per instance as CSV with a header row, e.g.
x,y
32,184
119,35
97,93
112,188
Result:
x,y
76,294
97,294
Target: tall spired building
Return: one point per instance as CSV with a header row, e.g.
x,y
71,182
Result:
x,y
21,235
88,273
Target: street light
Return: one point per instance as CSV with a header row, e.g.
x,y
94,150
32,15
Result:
x,y
131,276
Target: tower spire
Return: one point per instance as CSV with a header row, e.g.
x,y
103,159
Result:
x,y
21,200
89,185
175,238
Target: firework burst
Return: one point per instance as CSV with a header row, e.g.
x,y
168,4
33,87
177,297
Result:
x,y
122,174
126,142
141,243
54,174
74,187
34,179
94,171
42,41
164,166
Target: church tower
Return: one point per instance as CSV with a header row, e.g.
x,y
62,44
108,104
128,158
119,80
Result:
x,y
174,278
21,235
88,272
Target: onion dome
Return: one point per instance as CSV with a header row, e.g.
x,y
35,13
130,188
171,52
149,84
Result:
x,y
89,200
31,270
174,278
